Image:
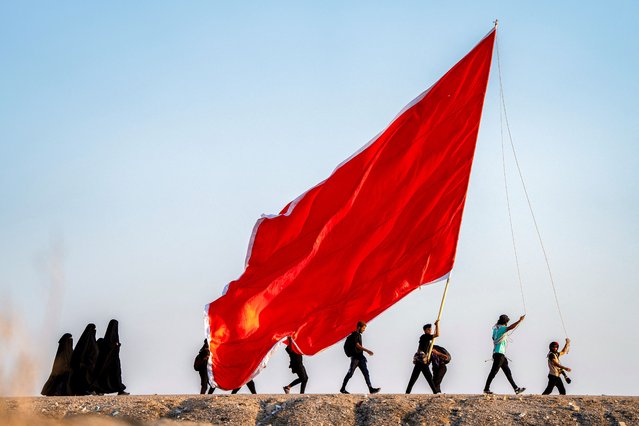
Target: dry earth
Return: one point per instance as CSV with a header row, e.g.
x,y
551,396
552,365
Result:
x,y
167,410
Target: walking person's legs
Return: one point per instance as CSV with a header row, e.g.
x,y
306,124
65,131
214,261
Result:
x,y
438,376
497,360
364,369
413,378
349,374
550,386
560,386
204,381
303,379
428,376
506,369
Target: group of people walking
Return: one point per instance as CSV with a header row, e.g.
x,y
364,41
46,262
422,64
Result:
x,y
91,368
428,356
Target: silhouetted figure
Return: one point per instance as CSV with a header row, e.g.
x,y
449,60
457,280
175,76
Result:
x,y
108,369
439,358
250,385
83,360
500,336
556,369
419,359
354,349
297,367
201,366
59,382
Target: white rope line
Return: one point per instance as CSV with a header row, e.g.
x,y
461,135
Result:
x,y
523,184
510,218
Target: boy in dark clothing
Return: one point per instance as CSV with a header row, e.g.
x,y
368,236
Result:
x,y
297,367
439,360
555,368
358,360
421,364
201,366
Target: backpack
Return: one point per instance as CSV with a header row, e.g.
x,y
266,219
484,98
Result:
x,y
201,361
349,345
445,352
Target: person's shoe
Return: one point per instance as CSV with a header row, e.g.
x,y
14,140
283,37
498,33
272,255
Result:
x,y
487,392
519,390
123,393
374,390
343,390
287,390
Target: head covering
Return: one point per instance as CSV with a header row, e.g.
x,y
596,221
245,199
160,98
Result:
x,y
58,382
111,336
108,371
555,344
83,360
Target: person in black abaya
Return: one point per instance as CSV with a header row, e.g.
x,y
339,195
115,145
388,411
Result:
x,y
58,383
83,360
108,369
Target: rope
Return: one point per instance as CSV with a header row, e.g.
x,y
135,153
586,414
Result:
x,y
510,217
523,184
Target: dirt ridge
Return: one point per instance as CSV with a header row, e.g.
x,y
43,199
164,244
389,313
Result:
x,y
315,409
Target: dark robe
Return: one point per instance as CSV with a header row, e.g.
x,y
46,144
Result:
x,y
83,361
108,370
59,383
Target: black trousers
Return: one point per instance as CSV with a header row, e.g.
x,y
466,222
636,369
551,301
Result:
x,y
552,382
302,378
250,385
420,368
499,361
358,362
204,382
438,375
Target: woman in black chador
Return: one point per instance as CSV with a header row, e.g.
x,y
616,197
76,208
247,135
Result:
x,y
58,383
108,370
83,361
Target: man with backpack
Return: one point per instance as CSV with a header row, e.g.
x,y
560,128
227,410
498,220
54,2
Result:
x,y
419,359
556,369
354,349
200,365
439,358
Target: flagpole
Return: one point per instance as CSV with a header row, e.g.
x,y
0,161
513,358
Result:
x,y
439,315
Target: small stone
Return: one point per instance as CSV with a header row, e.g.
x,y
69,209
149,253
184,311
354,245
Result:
x,y
521,415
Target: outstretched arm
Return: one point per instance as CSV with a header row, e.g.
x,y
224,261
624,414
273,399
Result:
x,y
566,348
436,329
515,324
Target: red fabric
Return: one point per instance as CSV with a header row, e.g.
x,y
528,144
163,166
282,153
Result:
x,y
384,223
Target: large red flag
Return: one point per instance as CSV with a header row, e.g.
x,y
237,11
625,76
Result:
x,y
384,223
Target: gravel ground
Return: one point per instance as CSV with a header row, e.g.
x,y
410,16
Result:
x,y
167,410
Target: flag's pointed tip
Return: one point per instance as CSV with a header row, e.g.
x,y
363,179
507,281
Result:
x,y
496,22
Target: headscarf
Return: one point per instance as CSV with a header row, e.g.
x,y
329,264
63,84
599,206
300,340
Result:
x,y
83,361
58,382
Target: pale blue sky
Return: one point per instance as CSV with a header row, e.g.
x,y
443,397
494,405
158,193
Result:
x,y
140,142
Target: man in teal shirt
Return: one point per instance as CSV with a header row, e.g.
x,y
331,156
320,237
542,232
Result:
x,y
500,336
